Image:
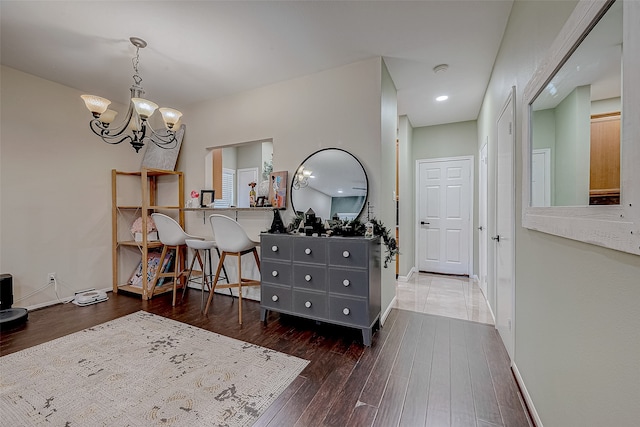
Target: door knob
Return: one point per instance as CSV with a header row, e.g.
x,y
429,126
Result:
x,y
424,223
496,238
481,228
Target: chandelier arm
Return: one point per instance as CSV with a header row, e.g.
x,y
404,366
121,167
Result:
x,y
98,128
112,132
164,139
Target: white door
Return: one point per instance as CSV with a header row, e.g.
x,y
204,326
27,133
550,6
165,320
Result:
x,y
483,191
245,176
505,230
541,177
445,200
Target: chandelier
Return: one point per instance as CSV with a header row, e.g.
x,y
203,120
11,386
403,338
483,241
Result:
x,y
301,178
135,127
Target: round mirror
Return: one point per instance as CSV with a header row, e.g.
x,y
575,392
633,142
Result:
x,y
332,182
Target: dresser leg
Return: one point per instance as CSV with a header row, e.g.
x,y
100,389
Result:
x,y
263,315
366,336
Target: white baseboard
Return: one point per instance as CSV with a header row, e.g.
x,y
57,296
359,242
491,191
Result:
x,y
408,276
387,311
526,396
475,278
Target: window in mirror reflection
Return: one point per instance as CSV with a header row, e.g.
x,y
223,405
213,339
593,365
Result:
x,y
575,123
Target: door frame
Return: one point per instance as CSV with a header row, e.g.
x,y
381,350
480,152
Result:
x,y
483,190
511,98
471,207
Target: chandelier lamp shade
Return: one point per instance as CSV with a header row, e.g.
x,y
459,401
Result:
x,y
135,128
301,178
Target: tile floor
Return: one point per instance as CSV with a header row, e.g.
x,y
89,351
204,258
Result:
x,y
450,296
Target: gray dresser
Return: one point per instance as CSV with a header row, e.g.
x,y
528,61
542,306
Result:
x,y
329,279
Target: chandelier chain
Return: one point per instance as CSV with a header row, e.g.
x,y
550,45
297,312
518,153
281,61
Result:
x,y
136,61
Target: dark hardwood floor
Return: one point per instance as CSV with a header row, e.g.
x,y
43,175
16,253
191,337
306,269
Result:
x,y
421,370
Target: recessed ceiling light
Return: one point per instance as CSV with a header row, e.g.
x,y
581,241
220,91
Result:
x,y
442,98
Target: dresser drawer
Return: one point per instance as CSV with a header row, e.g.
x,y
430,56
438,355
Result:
x,y
278,273
351,311
310,249
309,276
349,253
310,304
275,247
349,282
275,297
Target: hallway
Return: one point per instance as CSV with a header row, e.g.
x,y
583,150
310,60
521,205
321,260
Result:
x,y
450,296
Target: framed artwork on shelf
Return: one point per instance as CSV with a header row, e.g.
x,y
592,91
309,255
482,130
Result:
x,y
206,197
153,263
278,189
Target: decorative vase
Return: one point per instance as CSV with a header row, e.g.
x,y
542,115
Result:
x,y
252,197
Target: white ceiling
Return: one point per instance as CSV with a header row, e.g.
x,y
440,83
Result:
x,y
208,49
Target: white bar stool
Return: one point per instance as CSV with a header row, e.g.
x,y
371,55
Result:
x,y
232,240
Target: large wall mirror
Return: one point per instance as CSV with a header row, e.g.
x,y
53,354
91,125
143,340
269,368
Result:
x,y
332,182
575,123
580,156
229,169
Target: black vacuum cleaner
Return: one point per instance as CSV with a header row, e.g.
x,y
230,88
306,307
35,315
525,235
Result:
x,y
9,317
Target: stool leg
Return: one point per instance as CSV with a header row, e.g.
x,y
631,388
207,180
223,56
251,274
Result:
x,y
193,260
206,276
224,270
255,255
215,282
175,276
240,287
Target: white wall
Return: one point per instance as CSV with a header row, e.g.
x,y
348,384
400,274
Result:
x,y
384,206
55,186
577,336
335,108
56,190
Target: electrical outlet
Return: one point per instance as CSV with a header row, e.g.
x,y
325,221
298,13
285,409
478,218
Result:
x,y
53,281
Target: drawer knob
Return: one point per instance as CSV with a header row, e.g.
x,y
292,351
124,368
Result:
x,y
307,277
274,248
307,251
346,282
346,254
274,273
346,311
274,298
307,304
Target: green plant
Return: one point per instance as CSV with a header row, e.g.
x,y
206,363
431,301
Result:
x,y
379,229
356,227
267,168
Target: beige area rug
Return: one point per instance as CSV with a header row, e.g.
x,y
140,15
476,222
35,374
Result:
x,y
142,370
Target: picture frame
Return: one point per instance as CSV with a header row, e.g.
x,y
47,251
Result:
x,y
206,197
261,200
278,189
